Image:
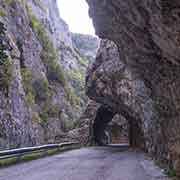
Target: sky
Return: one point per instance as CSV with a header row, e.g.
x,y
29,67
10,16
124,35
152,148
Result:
x,y
75,14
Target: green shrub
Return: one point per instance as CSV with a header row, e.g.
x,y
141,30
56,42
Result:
x,y
78,83
171,173
2,13
72,97
41,89
28,87
55,73
49,111
44,117
49,54
77,79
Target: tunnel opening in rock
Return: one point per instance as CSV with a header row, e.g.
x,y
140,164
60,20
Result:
x,y
112,128
103,117
118,130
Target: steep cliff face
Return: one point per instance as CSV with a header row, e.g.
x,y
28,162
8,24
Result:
x,y
138,75
41,74
84,132
86,45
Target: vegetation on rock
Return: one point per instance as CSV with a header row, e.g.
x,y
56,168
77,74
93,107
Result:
x,y
28,86
2,13
49,57
49,54
41,87
5,62
49,111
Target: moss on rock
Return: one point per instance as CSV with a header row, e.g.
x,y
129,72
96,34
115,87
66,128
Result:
x,y
28,87
49,54
41,89
2,13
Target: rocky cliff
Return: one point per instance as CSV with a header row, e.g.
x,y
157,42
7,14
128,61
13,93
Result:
x,y
87,45
137,75
41,74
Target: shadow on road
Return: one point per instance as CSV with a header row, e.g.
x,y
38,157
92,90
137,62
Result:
x,y
114,147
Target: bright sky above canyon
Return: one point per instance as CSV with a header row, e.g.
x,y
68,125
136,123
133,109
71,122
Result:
x,y
75,13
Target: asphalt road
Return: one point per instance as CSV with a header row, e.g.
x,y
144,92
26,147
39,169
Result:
x,y
98,163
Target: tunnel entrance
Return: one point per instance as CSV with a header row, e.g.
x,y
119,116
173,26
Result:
x,y
103,117
112,128
118,130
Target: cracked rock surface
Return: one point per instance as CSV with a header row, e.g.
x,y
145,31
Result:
x,y
137,74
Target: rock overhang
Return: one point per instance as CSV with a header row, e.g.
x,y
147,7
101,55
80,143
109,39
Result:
x,y
146,33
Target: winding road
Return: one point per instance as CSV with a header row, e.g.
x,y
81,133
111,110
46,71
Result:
x,y
95,163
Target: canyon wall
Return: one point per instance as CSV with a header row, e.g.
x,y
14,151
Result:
x,y
41,74
136,72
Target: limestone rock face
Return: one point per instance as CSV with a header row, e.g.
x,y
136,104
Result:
x,y
86,44
138,74
84,132
41,76
15,125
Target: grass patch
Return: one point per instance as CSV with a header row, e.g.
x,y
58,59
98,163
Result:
x,y
33,156
7,162
171,173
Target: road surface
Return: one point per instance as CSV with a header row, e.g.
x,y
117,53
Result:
x,y
96,163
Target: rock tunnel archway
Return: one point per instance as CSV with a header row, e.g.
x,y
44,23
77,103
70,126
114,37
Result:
x,y
104,116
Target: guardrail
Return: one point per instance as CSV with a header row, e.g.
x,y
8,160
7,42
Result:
x,y
37,149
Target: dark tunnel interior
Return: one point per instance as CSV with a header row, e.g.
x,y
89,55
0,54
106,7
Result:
x,y
101,136
103,117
